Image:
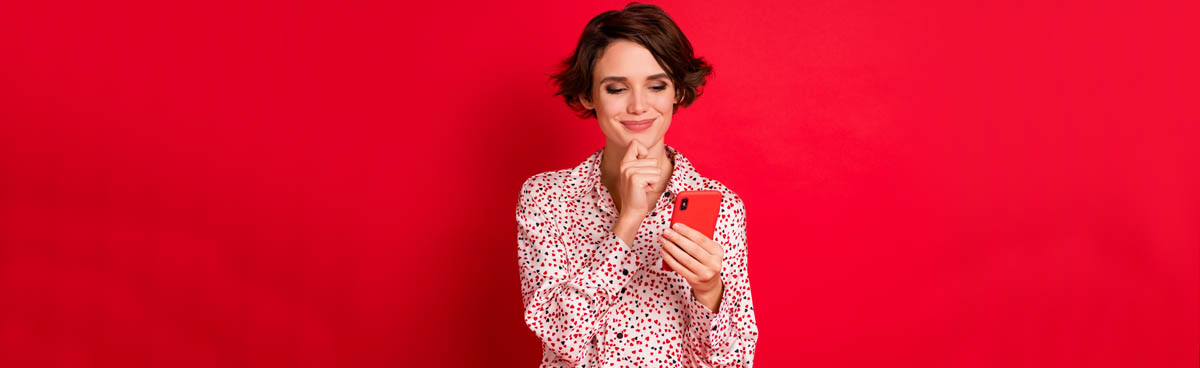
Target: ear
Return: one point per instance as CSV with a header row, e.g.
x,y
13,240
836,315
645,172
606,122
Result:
x,y
587,103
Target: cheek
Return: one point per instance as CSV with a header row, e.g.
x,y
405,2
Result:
x,y
610,105
664,102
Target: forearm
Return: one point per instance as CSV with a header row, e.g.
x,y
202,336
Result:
x,y
710,299
627,226
565,310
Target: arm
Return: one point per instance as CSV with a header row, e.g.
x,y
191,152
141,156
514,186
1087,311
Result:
x,y
565,307
726,338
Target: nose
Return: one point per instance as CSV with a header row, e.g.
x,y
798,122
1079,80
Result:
x,y
637,106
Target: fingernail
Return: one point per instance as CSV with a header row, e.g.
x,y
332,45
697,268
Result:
x,y
669,232
677,225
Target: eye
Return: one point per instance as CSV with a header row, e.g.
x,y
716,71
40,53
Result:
x,y
659,88
614,91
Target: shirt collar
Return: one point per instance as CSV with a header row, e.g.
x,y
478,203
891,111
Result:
x,y
587,176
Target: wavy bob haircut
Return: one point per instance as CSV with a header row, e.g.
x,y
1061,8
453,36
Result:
x,y
647,25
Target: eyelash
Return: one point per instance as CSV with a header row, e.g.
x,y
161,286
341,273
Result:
x,y
616,91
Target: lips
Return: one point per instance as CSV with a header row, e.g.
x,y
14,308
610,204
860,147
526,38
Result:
x,y
638,125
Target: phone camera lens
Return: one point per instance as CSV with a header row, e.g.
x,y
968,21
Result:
x,y
683,204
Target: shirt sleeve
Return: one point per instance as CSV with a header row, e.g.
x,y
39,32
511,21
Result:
x,y
726,338
565,307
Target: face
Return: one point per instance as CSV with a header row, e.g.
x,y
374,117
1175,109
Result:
x,y
631,94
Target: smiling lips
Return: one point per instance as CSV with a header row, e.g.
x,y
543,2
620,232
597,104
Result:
x,y
639,125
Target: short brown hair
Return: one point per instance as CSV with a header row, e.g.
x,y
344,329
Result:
x,y
647,25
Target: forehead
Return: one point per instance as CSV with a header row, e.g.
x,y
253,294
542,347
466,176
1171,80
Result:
x,y
628,59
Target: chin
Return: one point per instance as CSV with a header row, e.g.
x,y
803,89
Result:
x,y
647,139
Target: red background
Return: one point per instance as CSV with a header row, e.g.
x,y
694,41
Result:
x,y
332,184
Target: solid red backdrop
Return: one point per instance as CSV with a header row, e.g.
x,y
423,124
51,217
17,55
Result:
x,y
332,184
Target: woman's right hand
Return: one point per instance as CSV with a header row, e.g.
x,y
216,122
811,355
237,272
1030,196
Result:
x,y
639,176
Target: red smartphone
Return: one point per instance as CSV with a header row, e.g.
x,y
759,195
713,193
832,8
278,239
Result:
x,y
698,209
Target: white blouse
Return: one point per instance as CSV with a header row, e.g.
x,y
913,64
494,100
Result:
x,y
597,302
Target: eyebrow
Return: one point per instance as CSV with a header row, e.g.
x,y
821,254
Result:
x,y
622,79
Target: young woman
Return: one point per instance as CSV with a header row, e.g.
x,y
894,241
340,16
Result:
x,y
591,240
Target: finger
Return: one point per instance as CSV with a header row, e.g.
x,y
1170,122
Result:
x,y
714,248
641,150
675,265
699,238
645,162
701,273
688,245
645,181
643,178
631,152
628,167
694,272
650,171
652,175
681,256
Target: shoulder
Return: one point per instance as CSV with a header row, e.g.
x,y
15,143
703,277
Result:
x,y
692,179
730,200
544,188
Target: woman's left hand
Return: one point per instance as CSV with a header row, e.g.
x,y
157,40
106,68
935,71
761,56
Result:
x,y
698,259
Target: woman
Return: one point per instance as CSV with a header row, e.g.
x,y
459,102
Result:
x,y
591,240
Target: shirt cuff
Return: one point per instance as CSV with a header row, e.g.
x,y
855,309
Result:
x,y
612,266
704,325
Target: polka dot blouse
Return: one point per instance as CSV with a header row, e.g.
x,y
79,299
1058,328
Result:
x,y
596,301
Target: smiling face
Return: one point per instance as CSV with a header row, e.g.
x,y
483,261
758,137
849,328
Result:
x,y
632,95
